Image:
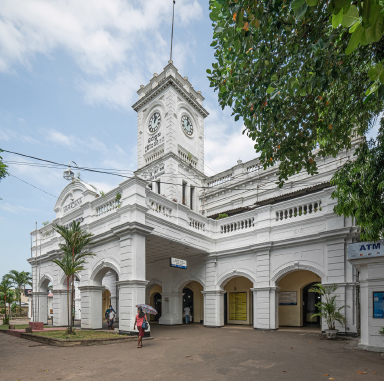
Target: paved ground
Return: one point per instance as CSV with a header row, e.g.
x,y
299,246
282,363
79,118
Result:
x,y
195,353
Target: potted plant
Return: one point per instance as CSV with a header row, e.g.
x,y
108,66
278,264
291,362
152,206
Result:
x,y
328,309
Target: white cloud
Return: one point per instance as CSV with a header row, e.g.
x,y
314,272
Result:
x,y
224,142
102,37
16,209
59,138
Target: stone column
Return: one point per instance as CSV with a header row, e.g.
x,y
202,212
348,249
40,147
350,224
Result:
x,y
214,308
265,308
131,293
40,301
172,308
91,307
60,311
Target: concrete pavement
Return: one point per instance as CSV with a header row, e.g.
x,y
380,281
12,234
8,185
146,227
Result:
x,y
194,352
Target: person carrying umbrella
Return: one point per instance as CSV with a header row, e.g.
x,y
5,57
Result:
x,y
141,317
139,320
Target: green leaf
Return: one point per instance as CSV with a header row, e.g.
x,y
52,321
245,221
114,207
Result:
x,y
300,12
270,90
312,3
382,77
375,72
296,4
223,89
214,15
355,39
380,92
377,29
340,3
352,29
336,19
351,17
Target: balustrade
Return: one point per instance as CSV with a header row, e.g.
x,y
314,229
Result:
x,y
107,207
243,224
296,211
221,180
160,208
196,224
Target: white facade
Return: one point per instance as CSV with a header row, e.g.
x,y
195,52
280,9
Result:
x,y
275,240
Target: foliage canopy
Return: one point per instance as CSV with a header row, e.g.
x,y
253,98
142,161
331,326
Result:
x,y
288,69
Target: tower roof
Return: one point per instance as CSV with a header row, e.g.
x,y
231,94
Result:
x,y
170,77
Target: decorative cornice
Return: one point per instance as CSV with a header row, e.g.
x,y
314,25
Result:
x,y
132,228
170,81
214,292
91,288
132,282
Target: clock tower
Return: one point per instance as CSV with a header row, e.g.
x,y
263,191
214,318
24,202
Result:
x,y
170,134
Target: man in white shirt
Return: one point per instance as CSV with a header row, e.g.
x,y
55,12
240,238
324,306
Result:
x,y
187,313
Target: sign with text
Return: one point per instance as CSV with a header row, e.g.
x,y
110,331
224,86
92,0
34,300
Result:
x,y
287,298
360,250
378,305
179,263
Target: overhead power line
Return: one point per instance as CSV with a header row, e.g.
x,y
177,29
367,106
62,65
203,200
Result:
x,y
218,187
32,185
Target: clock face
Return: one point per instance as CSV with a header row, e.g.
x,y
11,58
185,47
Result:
x,y
154,122
186,125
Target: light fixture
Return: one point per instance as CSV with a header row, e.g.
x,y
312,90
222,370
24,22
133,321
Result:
x,y
68,174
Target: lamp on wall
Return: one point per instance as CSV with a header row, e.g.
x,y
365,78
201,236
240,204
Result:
x,y
68,174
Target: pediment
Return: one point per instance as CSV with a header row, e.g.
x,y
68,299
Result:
x,y
73,196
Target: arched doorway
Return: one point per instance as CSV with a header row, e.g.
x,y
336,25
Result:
x,y
296,304
97,297
193,298
106,302
155,301
238,301
310,299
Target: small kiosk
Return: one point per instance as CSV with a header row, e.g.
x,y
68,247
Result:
x,y
368,259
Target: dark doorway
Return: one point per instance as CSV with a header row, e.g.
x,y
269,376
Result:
x,y
225,309
188,300
310,299
157,305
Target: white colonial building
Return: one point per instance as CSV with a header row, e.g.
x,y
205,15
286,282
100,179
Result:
x,y
253,267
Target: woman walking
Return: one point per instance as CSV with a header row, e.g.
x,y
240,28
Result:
x,y
139,320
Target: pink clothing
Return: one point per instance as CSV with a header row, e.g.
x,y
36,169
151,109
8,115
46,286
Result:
x,y
141,331
139,321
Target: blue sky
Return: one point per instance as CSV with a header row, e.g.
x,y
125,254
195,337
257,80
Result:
x,y
69,72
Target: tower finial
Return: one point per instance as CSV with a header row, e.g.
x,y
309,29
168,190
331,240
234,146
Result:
x,y
173,17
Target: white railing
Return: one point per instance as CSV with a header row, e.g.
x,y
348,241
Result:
x,y
48,233
254,167
297,211
107,207
187,157
160,208
196,224
155,156
243,224
220,180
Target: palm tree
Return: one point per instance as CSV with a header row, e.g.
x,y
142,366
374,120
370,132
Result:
x,y
20,280
5,288
75,245
70,267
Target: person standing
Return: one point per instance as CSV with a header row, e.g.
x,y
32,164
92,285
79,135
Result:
x,y
187,313
139,320
110,315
